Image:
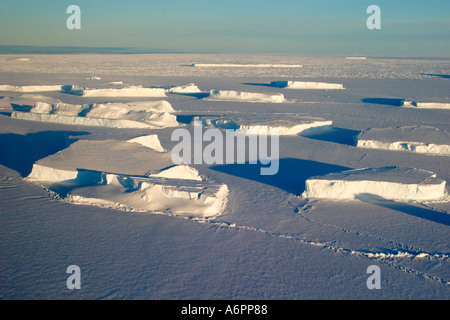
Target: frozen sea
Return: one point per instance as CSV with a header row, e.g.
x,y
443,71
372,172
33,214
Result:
x,y
269,242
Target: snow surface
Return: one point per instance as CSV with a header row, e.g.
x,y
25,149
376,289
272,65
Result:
x,y
420,139
389,183
269,241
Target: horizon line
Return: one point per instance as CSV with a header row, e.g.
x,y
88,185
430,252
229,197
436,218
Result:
x,y
33,49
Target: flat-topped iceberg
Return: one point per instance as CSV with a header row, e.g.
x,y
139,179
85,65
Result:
x,y
108,156
128,176
142,114
238,65
419,139
268,123
229,95
306,85
36,88
188,88
152,194
59,108
426,105
389,183
128,91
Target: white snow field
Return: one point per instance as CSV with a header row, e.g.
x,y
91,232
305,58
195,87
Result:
x,y
307,85
391,183
92,182
420,139
230,95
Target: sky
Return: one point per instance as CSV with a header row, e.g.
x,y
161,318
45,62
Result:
x,y
327,27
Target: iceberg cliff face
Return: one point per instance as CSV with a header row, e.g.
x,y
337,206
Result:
x,y
234,65
128,176
426,105
143,114
157,193
82,121
129,91
38,88
307,85
189,88
268,124
419,139
225,95
390,183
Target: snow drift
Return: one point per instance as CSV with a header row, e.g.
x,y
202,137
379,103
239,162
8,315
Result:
x,y
306,85
225,95
389,183
420,139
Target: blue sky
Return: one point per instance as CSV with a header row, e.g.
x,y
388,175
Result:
x,y
409,27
